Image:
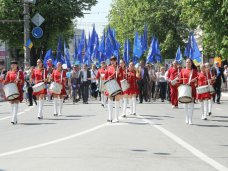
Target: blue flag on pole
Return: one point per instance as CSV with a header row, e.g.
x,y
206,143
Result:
x,y
126,54
102,48
158,52
152,51
178,57
137,47
48,56
67,56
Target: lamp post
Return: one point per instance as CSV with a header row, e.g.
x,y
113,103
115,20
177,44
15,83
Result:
x,y
26,28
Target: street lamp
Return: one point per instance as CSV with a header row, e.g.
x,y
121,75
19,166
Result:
x,y
26,29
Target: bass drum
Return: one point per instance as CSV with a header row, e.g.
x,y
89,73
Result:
x,y
185,94
11,91
112,87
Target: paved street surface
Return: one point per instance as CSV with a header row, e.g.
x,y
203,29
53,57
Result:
x,y
157,139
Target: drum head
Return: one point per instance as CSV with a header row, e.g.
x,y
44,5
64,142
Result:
x,y
185,99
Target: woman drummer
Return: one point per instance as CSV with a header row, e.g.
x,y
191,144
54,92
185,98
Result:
x,y
132,91
113,72
188,76
59,76
203,80
39,77
17,77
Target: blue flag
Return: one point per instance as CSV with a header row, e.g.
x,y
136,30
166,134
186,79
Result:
x,y
158,52
137,48
75,55
126,54
178,57
152,51
67,56
192,50
48,56
102,48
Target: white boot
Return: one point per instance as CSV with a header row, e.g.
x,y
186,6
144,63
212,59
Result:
x,y
102,99
124,107
210,107
38,106
186,113
190,110
205,109
55,106
121,103
116,116
60,107
131,105
13,113
41,108
134,105
202,109
110,109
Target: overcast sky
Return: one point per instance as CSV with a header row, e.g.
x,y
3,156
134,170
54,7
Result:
x,y
98,16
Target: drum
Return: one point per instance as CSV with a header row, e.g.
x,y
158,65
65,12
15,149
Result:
x,y
55,88
38,87
11,91
124,84
185,94
174,81
211,89
112,87
202,89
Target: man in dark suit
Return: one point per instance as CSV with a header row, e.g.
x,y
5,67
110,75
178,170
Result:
x,y
85,82
218,71
142,83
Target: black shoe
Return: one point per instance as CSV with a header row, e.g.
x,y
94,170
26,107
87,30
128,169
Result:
x,y
218,103
109,120
86,102
55,114
134,114
14,122
35,102
30,105
40,118
209,113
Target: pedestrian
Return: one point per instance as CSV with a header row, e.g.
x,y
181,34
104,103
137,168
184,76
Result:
x,y
16,77
188,76
59,78
133,90
94,89
39,77
75,83
162,83
86,81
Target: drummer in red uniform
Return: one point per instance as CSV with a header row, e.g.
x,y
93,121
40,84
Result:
x,y
100,75
203,80
212,81
39,77
113,72
188,76
59,76
17,77
132,91
173,79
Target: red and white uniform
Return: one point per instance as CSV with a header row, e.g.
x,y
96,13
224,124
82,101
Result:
x,y
11,77
39,75
56,76
100,72
202,81
132,81
185,76
171,75
111,73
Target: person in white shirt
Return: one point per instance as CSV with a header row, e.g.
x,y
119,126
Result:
x,y
94,90
226,76
162,83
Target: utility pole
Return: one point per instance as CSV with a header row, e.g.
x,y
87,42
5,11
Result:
x,y
26,32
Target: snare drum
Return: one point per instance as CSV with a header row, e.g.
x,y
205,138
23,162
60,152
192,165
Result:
x,y
185,93
202,89
38,87
211,89
55,88
124,84
11,91
112,87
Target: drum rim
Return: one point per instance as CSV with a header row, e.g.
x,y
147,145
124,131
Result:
x,y
18,94
187,97
109,80
115,93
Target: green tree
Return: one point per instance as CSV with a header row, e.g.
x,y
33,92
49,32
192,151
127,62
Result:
x,y
161,16
58,14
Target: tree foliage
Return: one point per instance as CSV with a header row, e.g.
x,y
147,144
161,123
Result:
x,y
172,20
58,14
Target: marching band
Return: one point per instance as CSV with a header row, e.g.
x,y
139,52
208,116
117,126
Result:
x,y
117,83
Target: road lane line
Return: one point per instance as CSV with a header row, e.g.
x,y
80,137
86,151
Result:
x,y
54,141
7,117
188,147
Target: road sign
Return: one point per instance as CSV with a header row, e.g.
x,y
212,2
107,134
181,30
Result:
x,y
37,32
37,19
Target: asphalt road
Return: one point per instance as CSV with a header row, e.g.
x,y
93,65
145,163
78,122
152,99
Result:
x,y
156,139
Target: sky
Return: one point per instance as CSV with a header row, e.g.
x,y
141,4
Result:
x,y
98,16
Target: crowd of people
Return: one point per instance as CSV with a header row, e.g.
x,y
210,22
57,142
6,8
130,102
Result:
x,y
116,84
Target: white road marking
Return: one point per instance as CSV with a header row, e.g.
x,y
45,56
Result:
x,y
218,108
54,141
188,147
8,117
